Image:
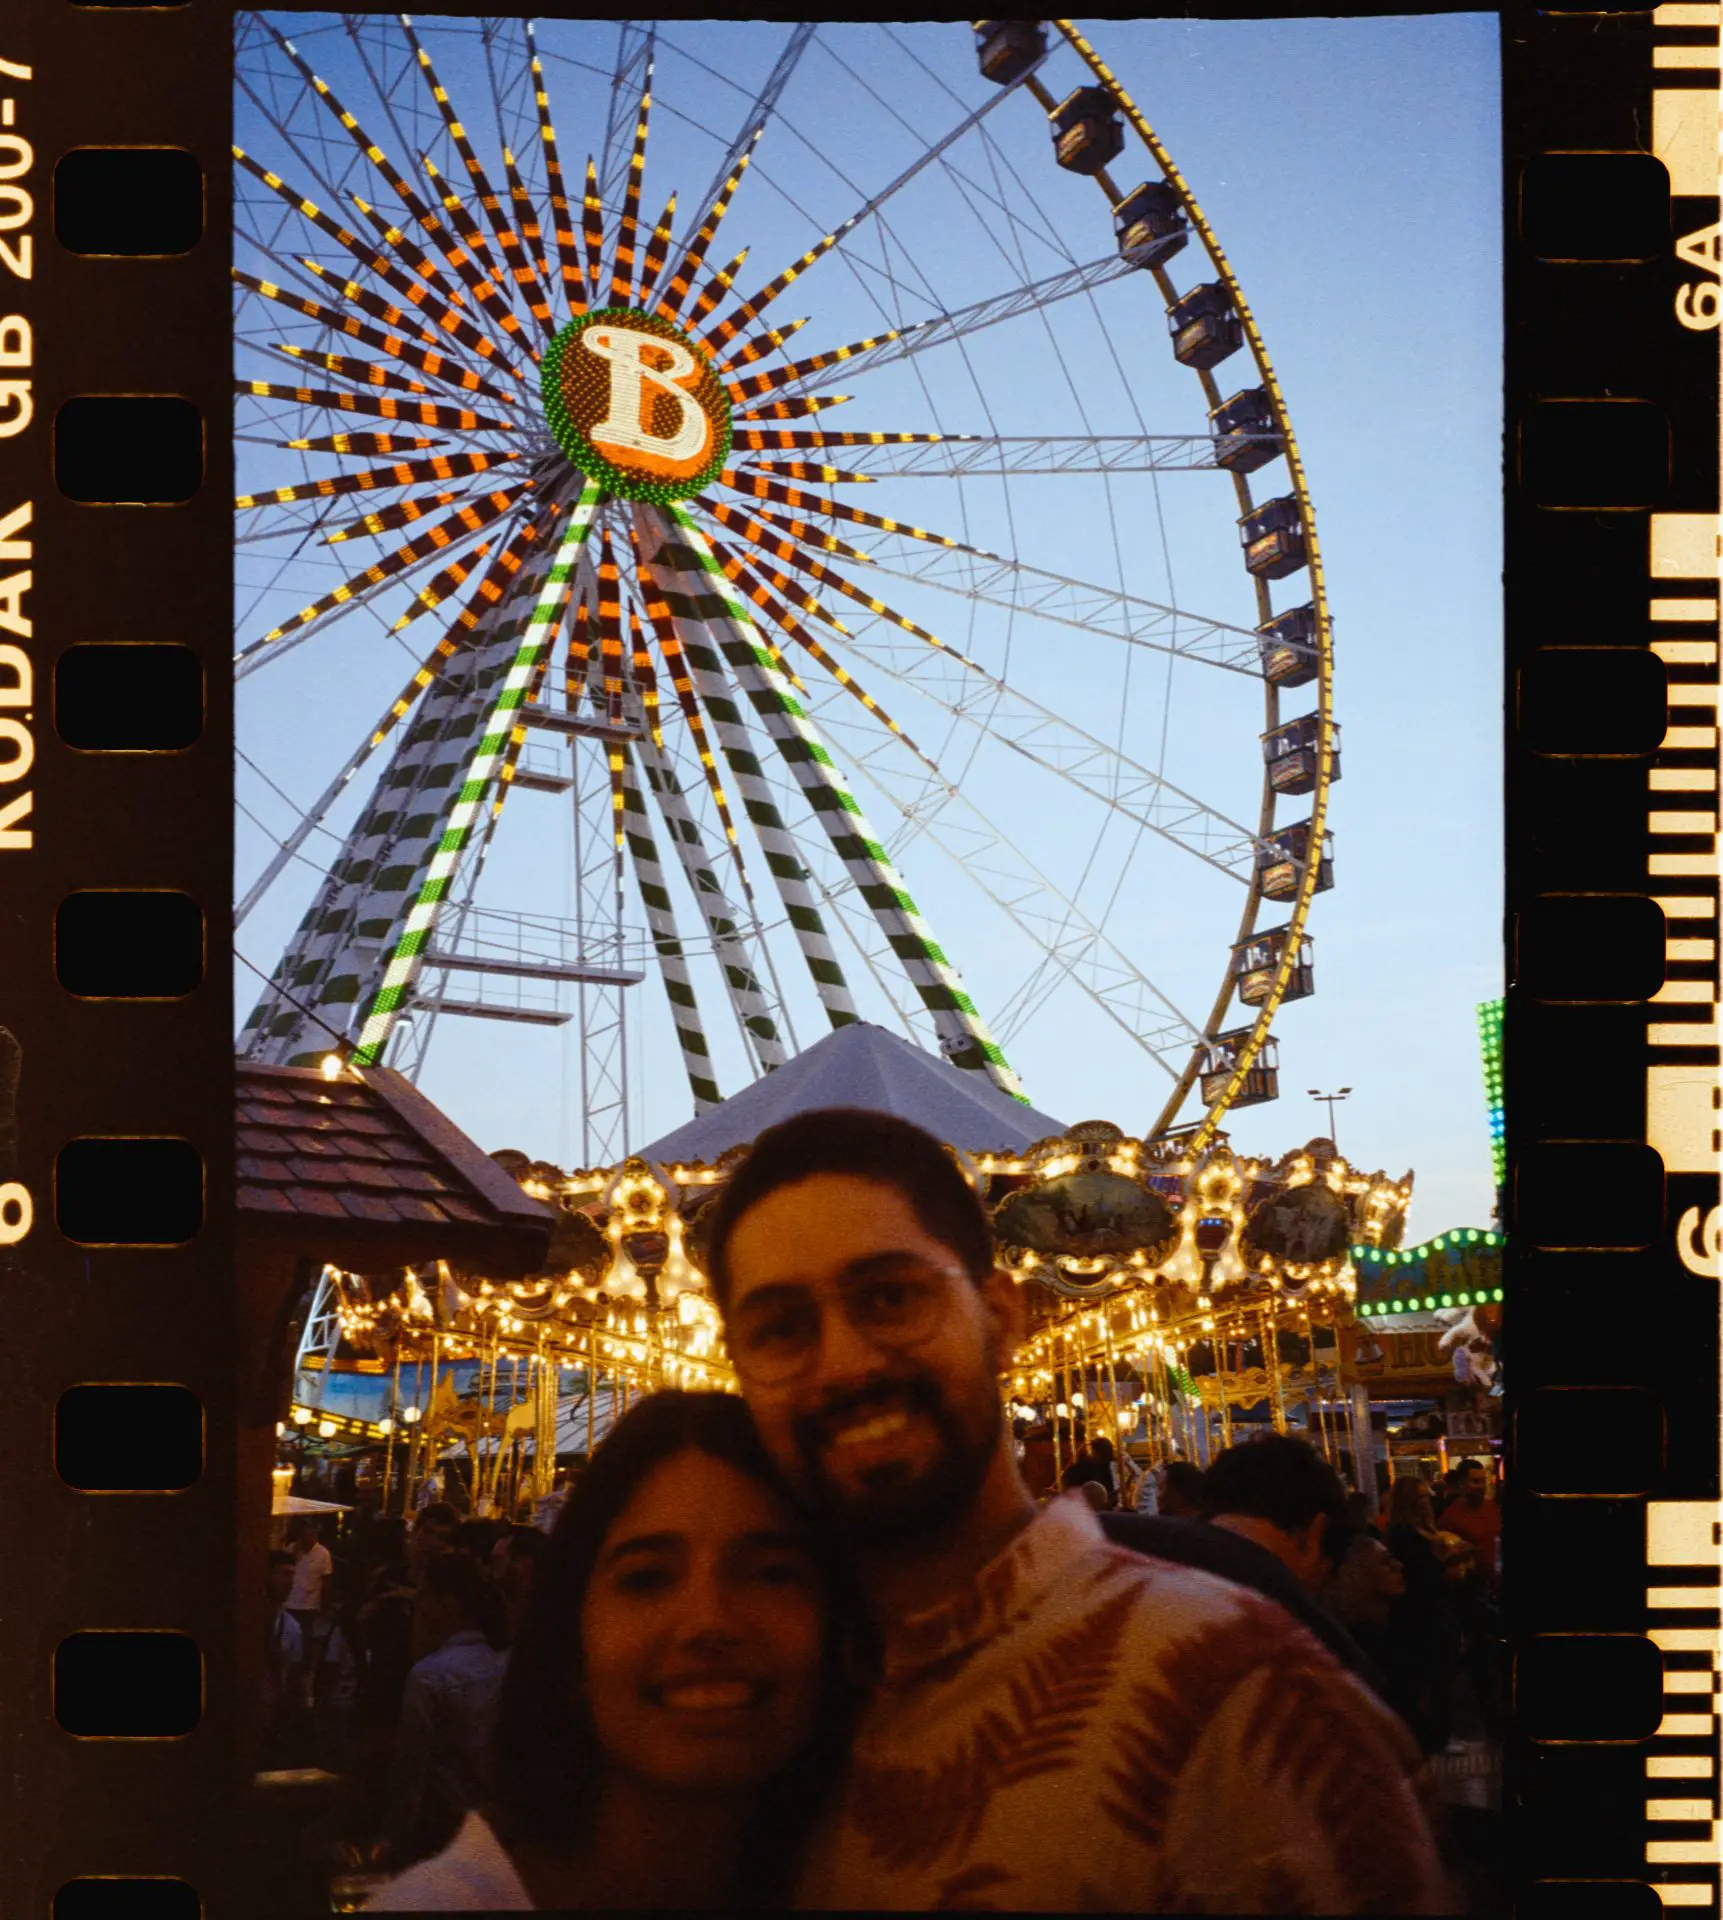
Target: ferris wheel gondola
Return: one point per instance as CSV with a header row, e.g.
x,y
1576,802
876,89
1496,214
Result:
x,y
601,503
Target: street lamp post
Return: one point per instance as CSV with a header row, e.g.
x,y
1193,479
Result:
x,y
1332,1099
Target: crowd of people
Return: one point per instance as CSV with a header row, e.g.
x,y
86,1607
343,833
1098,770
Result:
x,y
818,1645
384,1663
1415,1590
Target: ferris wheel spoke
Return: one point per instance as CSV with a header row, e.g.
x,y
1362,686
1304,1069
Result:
x,y
352,294
800,407
630,78
657,253
965,322
1054,922
411,412
626,249
745,392
495,584
753,307
693,259
562,215
482,188
374,479
962,1031
472,260
755,120
392,346
416,293
673,969
592,233
365,446
534,278
989,579
434,662
960,456
644,677
407,959
1033,731
733,933
702,620
455,530
981,577
741,576
682,684
334,958
759,345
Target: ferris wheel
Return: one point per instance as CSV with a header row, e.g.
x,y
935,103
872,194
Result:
x,y
622,640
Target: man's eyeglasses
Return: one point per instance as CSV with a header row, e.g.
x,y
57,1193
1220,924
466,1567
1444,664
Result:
x,y
774,1334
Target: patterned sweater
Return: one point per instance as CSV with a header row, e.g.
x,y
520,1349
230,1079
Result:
x,y
1086,1729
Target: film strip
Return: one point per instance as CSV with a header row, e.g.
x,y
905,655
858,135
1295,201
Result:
x,y
1611,1061
116,1062
121,1629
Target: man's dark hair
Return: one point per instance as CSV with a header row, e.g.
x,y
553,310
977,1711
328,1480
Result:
x,y
1465,1467
452,1576
1187,1481
865,1146
546,1767
475,1538
526,1543
438,1514
1281,1479
1101,1447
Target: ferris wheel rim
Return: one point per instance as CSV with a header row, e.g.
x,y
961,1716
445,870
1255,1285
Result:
x,y
1310,872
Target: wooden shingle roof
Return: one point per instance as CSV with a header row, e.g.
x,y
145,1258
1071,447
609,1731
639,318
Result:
x,y
365,1167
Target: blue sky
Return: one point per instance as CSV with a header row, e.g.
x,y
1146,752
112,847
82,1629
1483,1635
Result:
x,y
1351,171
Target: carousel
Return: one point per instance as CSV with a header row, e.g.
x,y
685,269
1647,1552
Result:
x,y
1178,1297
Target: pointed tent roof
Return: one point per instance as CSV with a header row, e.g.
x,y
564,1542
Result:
x,y
861,1065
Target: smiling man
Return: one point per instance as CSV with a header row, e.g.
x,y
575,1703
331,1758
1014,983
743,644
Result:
x,y
1059,1722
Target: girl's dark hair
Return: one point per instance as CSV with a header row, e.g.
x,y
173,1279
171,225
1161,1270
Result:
x,y
546,1767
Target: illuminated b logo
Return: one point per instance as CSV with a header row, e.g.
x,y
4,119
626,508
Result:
x,y
635,405
634,384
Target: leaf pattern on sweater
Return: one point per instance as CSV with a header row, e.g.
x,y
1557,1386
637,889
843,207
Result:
x,y
962,1892
1326,1743
1309,1735
1170,1709
912,1816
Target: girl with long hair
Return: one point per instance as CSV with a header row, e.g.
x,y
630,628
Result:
x,y
676,1704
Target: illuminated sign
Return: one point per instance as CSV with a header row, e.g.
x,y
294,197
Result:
x,y
636,405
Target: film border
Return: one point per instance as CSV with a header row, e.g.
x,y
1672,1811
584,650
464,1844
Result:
x,y
1620,1789
150,76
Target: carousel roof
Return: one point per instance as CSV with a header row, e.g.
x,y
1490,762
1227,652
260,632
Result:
x,y
862,1065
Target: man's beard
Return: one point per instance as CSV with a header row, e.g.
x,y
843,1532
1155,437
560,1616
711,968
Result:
x,y
902,1509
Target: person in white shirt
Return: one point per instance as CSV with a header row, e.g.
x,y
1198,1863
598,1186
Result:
x,y
676,1708
307,1600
